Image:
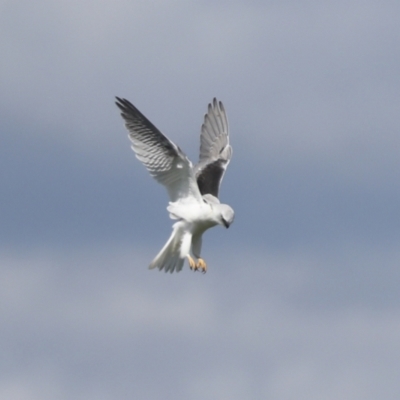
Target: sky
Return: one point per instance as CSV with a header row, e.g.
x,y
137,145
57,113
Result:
x,y
301,297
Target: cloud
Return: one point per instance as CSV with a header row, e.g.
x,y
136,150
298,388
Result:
x,y
313,86
313,81
311,94
287,326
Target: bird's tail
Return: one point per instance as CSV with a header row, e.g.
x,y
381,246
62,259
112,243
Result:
x,y
170,258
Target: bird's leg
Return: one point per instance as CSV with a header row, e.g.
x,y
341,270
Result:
x,y
192,263
201,265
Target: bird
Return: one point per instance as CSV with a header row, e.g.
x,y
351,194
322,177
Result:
x,y
193,189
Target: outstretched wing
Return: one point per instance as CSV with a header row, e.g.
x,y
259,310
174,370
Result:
x,y
215,151
165,161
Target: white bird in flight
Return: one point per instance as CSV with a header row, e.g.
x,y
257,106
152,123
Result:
x,y
193,190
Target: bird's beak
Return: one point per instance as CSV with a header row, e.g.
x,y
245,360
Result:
x,y
226,224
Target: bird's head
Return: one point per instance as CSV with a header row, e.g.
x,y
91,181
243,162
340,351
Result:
x,y
227,215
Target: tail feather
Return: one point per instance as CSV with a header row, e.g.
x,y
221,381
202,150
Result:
x,y
170,258
173,263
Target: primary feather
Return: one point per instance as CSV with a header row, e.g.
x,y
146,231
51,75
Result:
x,y
215,151
165,161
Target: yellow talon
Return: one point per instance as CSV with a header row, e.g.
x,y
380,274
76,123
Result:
x,y
201,265
192,263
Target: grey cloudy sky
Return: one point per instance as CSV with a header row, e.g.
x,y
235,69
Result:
x,y
301,299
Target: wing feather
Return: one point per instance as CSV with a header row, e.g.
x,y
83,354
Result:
x,y
215,151
164,160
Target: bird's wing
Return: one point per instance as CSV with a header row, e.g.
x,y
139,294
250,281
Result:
x,y
165,161
215,151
